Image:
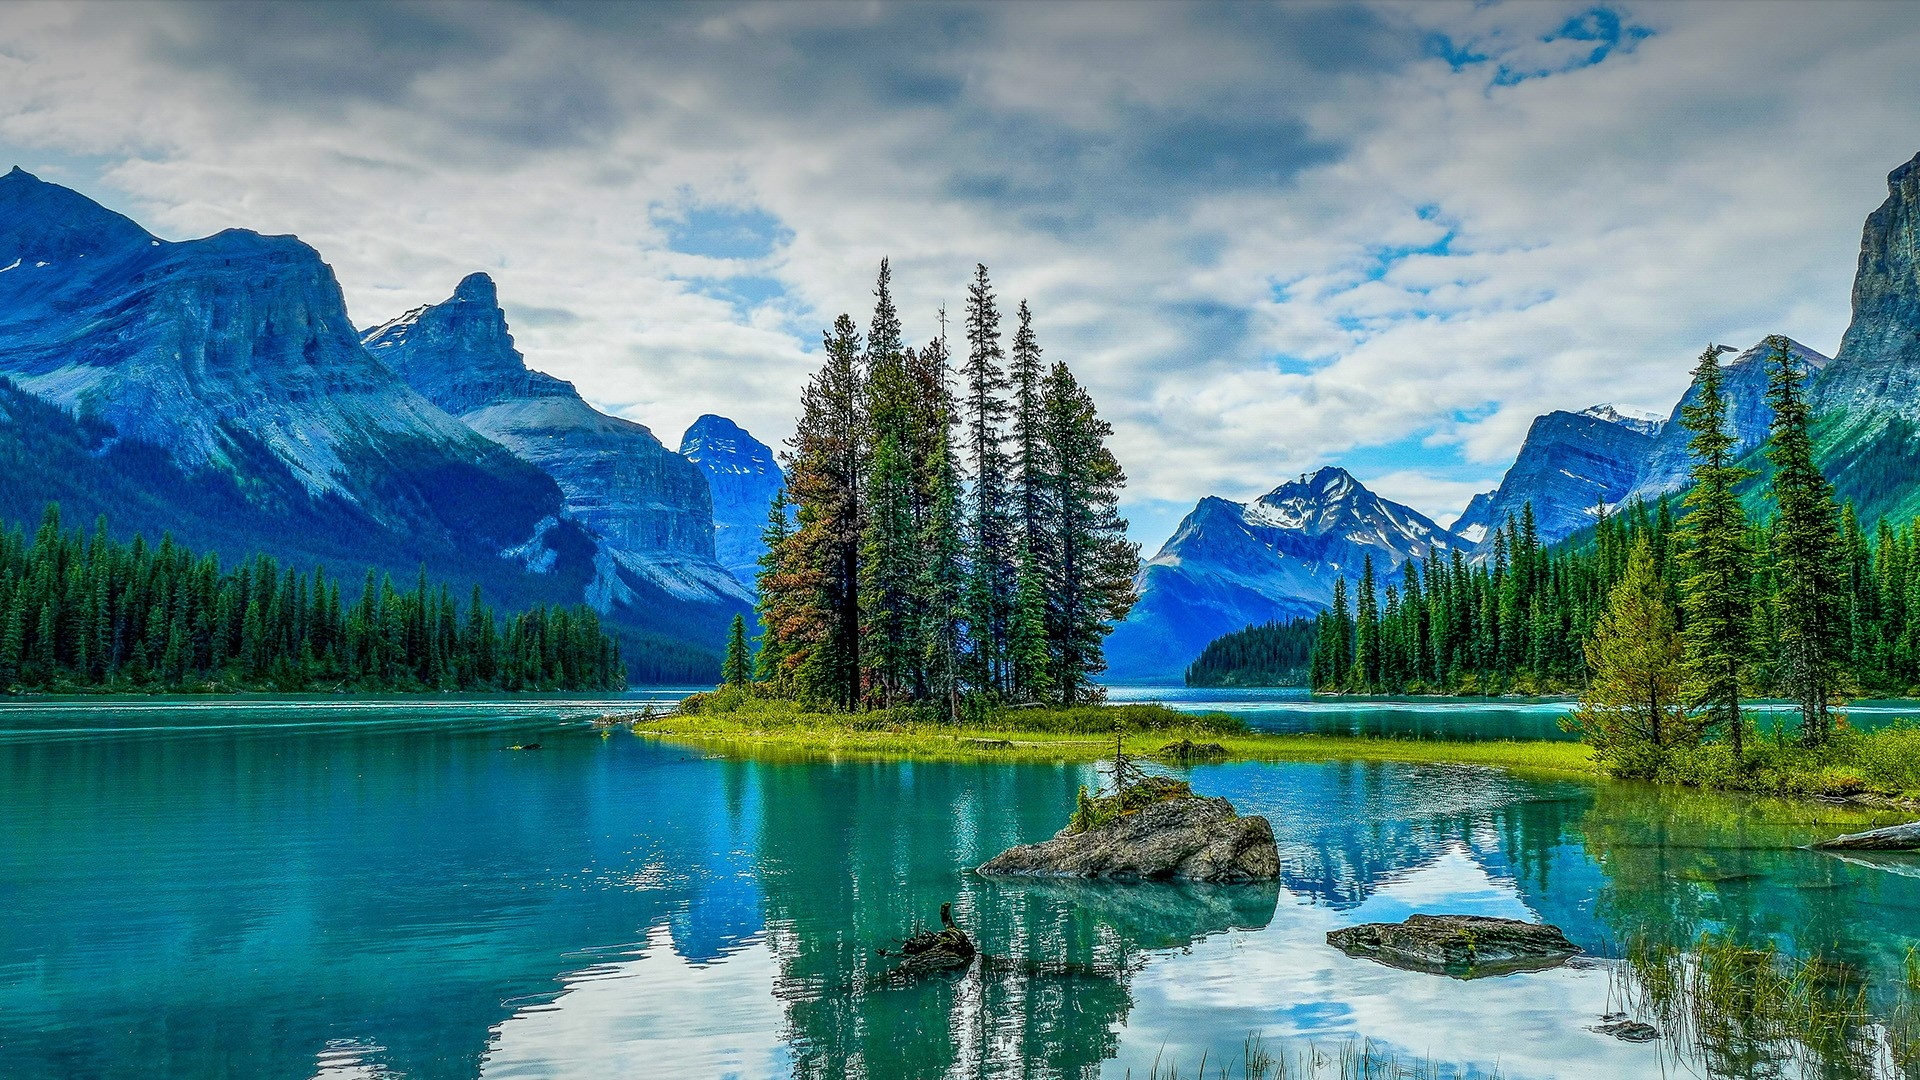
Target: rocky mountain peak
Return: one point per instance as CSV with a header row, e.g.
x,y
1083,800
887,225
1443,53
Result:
x,y
459,353
1879,358
47,223
478,288
744,476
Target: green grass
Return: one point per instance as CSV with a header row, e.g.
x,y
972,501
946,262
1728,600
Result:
x,y
744,722
1884,763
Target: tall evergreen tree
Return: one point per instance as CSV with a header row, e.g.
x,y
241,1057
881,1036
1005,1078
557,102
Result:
x,y
1717,591
776,597
819,580
888,550
1366,639
990,549
1092,586
1633,709
942,586
737,668
1037,555
1807,554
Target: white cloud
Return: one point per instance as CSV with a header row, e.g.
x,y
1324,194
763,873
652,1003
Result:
x,y
1196,201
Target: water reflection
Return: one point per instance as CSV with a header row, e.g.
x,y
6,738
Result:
x,y
404,898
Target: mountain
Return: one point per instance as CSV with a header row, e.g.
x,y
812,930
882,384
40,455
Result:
x,y
227,367
647,508
1572,462
744,478
1743,381
1231,565
1476,520
1867,402
1569,463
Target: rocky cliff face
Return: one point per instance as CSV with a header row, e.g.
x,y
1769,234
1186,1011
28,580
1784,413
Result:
x,y
649,507
1867,402
1569,464
234,356
744,478
1231,565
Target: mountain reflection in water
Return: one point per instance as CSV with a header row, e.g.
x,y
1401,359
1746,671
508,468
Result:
x,y
380,894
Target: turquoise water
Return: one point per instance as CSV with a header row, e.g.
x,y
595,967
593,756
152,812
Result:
x,y
1293,711
272,888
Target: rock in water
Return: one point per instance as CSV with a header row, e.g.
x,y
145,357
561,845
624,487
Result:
x,y
1463,946
1891,838
1621,1027
1190,839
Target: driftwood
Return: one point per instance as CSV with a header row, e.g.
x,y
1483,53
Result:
x,y
928,951
1892,838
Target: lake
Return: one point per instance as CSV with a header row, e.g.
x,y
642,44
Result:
x,y
1294,711
284,888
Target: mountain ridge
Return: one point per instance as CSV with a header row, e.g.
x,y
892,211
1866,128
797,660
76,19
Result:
x,y
1230,565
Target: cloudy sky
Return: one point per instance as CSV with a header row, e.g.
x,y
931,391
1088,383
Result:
x,y
1382,236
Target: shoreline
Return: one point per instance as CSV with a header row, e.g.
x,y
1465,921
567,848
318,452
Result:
x,y
827,736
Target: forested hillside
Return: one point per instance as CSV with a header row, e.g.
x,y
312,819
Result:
x,y
81,611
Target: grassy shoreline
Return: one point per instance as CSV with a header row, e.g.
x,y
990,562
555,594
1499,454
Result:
x,y
767,727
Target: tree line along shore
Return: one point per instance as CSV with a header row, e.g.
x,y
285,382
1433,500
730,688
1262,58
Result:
x,y
88,613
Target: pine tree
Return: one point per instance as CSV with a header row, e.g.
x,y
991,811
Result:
x,y
990,550
1633,710
1717,556
942,585
890,657
820,563
1807,555
1037,556
1092,587
770,662
1366,651
737,669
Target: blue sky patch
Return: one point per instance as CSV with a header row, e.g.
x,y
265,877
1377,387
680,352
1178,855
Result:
x,y
745,291
724,232
1602,27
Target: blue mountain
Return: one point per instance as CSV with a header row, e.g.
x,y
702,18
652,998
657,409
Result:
x,y
231,360
1232,565
1570,463
744,477
646,508
1743,381
217,390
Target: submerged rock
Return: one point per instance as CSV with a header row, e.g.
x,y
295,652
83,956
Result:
x,y
946,949
1463,946
1188,838
1892,838
1625,1029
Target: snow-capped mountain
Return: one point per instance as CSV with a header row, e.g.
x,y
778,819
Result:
x,y
647,507
231,363
1230,565
744,477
